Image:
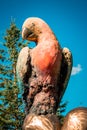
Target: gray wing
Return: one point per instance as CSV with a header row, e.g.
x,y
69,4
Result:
x,y
23,69
65,72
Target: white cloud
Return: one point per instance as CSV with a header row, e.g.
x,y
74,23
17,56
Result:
x,y
76,69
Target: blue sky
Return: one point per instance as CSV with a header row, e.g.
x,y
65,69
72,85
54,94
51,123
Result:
x,y
68,20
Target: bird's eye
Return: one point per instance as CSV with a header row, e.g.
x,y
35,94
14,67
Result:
x,y
33,24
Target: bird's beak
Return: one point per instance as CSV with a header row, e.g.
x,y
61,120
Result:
x,y
26,33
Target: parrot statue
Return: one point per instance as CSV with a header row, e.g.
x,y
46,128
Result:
x,y
44,70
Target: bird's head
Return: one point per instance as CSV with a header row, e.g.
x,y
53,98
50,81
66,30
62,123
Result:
x,y
32,28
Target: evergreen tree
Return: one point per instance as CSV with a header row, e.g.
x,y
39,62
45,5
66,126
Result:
x,y
61,109
11,105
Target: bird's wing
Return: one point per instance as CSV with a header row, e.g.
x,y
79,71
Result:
x,y
65,72
23,67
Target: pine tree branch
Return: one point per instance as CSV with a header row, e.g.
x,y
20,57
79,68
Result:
x,y
6,121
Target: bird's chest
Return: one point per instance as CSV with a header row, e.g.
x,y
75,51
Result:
x,y
43,58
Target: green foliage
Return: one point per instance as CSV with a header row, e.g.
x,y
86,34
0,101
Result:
x,y
60,111
11,105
